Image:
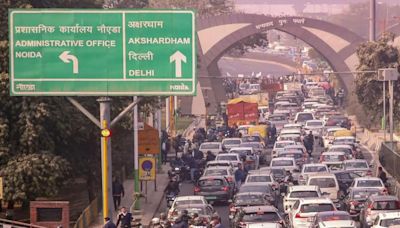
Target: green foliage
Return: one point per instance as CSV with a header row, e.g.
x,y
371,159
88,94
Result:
x,y
29,176
372,56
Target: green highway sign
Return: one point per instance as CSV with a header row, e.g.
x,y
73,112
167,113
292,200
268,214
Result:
x,y
102,52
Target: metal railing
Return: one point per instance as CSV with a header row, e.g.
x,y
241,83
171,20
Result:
x,y
14,224
390,159
90,214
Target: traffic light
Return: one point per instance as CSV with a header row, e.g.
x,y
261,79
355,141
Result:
x,y
105,133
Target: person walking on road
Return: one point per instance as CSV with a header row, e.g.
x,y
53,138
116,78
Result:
x,y
118,192
240,175
382,175
108,223
124,218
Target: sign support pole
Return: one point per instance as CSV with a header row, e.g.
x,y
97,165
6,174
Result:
x,y
136,150
159,115
106,157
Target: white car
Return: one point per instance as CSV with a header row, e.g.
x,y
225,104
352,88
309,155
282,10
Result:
x,y
289,164
327,183
214,147
279,146
342,148
304,209
220,163
359,166
311,168
248,154
233,158
368,182
186,200
227,172
229,143
328,135
387,219
297,192
333,219
302,117
334,160
315,126
262,177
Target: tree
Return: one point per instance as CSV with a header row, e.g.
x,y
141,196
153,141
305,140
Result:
x,y
372,56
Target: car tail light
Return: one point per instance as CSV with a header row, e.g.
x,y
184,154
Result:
x,y
230,179
225,189
369,173
242,224
232,208
196,189
299,216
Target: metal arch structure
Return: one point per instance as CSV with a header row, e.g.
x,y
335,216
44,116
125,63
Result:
x,y
218,34
395,29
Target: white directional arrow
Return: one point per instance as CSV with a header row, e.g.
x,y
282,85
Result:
x,y
178,58
66,58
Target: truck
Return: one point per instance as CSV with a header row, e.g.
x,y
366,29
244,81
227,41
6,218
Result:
x,y
242,111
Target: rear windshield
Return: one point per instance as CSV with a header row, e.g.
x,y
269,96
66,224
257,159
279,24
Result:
x,y
362,195
282,163
356,165
232,142
184,202
216,172
227,158
323,182
250,198
259,179
345,150
304,117
276,118
292,155
261,217
334,217
309,208
209,146
282,145
386,205
211,182
315,169
241,152
251,139
390,222
369,183
303,194
192,210
260,188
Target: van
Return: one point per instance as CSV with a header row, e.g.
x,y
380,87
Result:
x,y
328,184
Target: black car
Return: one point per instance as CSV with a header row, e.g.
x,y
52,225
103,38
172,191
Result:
x,y
214,188
345,178
269,194
354,201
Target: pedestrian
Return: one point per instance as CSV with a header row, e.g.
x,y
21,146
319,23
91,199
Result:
x,y
108,223
124,218
382,175
118,192
239,176
164,151
210,156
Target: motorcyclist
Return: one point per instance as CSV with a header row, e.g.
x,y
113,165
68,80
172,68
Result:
x,y
164,222
309,142
178,162
172,187
273,133
289,177
210,156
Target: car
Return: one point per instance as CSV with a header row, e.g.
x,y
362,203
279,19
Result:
x,y
226,172
262,177
205,212
214,188
232,157
258,148
359,166
299,192
376,205
214,147
355,199
228,143
338,120
345,140
220,163
389,219
304,209
347,149
298,156
289,164
247,154
298,147
315,126
327,183
278,120
269,194
328,135
280,145
186,200
345,179
293,126
252,138
332,219
311,168
290,137
334,160
369,182
302,117
286,131
256,214
247,199
278,173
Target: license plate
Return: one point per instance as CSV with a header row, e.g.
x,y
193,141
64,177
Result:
x,y
211,197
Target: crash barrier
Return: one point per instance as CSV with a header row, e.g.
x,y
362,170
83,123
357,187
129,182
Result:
x,y
15,224
90,214
389,159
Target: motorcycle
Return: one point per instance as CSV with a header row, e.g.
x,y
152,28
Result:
x,y
170,197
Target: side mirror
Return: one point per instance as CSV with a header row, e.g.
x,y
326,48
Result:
x,y
282,194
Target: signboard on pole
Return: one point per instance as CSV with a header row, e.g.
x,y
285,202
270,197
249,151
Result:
x,y
149,140
147,168
58,52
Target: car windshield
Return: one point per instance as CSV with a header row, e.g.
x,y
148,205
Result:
x,y
251,139
369,183
211,182
216,172
386,205
310,208
227,158
282,163
209,146
361,195
185,202
232,142
192,210
315,169
254,188
304,117
390,222
259,178
334,217
303,194
314,124
276,118
291,155
249,198
323,182
261,217
356,165
332,157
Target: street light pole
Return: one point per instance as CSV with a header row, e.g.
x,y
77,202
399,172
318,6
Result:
x,y
384,111
372,19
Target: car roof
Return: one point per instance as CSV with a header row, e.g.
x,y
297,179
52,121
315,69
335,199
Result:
x,y
219,162
355,160
259,173
333,153
366,178
291,152
340,146
254,184
217,167
210,143
241,148
345,137
296,188
253,209
228,154
335,128
182,198
388,215
383,198
197,205
327,213
314,121
315,200
282,158
294,146
264,225
212,177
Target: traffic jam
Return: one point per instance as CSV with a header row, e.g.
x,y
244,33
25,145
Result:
x,y
297,165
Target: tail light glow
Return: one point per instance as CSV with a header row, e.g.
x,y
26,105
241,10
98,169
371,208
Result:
x,y
196,189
